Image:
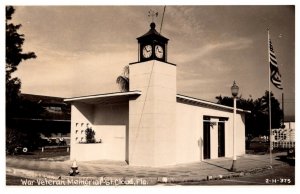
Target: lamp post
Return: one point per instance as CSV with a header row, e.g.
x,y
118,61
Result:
x,y
234,92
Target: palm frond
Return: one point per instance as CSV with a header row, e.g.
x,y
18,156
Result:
x,y
123,83
123,80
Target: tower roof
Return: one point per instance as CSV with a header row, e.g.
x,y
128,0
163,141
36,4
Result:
x,y
152,33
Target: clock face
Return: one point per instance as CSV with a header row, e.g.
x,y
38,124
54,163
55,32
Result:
x,y
147,51
159,51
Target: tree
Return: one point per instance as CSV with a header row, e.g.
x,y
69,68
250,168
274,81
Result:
x,y
241,102
123,80
14,56
262,108
257,122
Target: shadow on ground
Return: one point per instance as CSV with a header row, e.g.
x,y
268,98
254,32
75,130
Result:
x,y
228,169
284,158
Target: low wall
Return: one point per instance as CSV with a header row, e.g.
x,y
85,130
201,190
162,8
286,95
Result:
x,y
93,151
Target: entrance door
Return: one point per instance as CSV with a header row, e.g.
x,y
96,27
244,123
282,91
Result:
x,y
221,139
206,140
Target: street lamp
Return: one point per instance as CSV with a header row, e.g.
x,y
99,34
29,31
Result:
x,y
234,92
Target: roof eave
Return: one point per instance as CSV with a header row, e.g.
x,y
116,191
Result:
x,y
130,93
209,103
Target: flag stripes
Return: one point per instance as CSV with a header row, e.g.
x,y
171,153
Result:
x,y
275,75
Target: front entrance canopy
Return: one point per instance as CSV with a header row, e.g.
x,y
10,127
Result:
x,y
108,98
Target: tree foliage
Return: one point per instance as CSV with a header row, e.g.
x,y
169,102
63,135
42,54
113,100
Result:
x,y
90,135
14,56
257,122
15,106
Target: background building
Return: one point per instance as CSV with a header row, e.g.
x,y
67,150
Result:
x,y
47,116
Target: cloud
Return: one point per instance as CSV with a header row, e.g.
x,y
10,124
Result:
x,y
81,49
63,73
208,69
212,49
181,21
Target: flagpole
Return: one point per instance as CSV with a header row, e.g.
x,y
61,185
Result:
x,y
270,130
162,19
282,98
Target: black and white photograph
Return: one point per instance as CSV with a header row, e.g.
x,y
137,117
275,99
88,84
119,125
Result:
x,y
149,95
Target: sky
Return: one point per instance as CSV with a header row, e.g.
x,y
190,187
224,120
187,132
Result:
x,y
82,49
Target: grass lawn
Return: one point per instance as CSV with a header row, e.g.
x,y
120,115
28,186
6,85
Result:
x,y
47,154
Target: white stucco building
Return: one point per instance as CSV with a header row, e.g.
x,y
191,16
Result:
x,y
152,125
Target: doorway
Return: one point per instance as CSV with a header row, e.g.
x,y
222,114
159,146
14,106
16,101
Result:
x,y
206,140
221,139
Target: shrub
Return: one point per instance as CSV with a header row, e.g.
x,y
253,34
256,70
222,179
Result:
x,y
90,135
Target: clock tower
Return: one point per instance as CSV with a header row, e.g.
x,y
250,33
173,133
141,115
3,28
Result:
x,y
152,116
152,45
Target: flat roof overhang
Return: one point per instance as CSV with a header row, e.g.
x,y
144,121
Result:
x,y
191,100
108,98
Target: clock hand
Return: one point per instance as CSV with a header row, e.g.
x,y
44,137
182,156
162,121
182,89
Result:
x,y
158,50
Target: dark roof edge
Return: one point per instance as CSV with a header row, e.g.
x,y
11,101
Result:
x,y
153,59
37,95
37,119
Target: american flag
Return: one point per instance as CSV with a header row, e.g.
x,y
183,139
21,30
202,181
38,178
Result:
x,y
275,75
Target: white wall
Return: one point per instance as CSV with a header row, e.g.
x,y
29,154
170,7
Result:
x,y
152,116
241,134
110,123
289,125
189,133
81,117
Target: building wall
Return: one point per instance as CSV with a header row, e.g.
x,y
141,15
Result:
x,y
110,123
189,133
289,125
81,117
152,116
